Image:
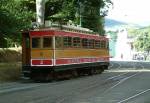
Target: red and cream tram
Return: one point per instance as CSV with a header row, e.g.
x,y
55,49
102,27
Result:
x,y
50,52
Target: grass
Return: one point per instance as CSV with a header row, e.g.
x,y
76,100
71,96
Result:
x,y
9,55
10,64
10,71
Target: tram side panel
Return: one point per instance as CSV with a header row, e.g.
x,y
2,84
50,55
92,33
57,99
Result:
x,y
70,58
81,58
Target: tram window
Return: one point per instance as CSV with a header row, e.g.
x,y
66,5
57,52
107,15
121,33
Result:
x,y
91,43
47,42
76,42
103,44
67,41
85,43
58,42
97,44
36,43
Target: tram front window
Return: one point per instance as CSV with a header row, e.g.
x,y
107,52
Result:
x,y
47,42
36,43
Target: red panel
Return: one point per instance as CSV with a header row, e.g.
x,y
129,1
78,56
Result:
x,y
41,62
63,61
41,33
80,60
36,62
47,62
63,33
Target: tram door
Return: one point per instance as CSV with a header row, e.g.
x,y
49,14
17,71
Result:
x,y
26,54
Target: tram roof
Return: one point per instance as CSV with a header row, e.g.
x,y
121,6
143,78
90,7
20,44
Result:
x,y
66,31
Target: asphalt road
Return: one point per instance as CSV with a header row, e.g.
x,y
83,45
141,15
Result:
x,y
124,82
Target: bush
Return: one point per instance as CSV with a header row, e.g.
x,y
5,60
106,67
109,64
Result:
x,y
8,55
10,64
10,71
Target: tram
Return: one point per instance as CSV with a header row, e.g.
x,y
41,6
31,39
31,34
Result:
x,y
49,53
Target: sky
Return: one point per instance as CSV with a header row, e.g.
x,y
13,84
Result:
x,y
131,11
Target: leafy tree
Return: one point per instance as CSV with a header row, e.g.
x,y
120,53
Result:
x,y
16,15
113,35
92,15
90,12
142,39
142,42
13,18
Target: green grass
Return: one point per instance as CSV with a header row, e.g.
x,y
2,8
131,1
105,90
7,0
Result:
x,y
8,55
10,64
10,71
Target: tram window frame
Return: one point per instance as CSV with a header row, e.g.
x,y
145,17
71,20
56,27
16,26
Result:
x,y
67,42
39,45
76,42
58,45
85,43
97,44
103,44
49,42
91,43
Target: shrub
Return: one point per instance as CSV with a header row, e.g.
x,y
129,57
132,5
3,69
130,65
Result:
x,y
10,71
8,55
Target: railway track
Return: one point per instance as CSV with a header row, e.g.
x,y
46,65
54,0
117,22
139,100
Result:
x,y
15,86
107,82
134,96
137,70
115,80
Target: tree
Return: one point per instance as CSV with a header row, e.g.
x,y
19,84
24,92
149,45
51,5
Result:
x,y
142,42
142,39
16,15
13,18
92,14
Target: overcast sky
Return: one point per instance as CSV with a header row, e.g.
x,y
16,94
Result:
x,y
132,11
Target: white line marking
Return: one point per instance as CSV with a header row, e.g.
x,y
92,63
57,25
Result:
x,y
127,99
116,76
121,82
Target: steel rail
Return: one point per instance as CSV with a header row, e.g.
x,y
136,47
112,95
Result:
x,y
134,96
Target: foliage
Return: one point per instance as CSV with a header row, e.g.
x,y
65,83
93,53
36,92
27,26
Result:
x,y
13,18
10,55
142,42
16,15
113,35
92,14
10,71
132,32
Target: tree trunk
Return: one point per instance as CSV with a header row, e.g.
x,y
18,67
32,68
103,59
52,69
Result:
x,y
40,11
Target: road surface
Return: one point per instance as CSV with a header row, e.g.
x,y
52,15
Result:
x,y
123,82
